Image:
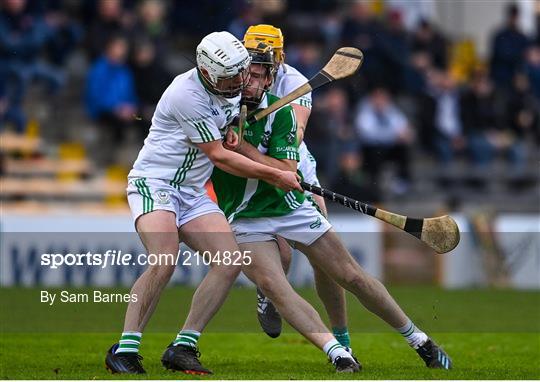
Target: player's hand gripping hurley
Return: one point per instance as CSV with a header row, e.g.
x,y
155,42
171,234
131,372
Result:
x,y
440,233
344,63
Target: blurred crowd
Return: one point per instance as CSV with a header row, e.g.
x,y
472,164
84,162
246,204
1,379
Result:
x,y
417,91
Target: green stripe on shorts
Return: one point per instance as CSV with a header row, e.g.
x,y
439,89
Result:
x,y
144,190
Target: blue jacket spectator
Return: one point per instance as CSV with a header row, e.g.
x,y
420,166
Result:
x,y
110,88
111,97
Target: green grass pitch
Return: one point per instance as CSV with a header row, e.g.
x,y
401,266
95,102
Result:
x,y
489,335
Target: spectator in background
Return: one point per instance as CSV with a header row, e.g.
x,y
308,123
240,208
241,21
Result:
x,y
395,47
479,119
329,129
111,20
413,11
110,91
532,69
362,30
151,25
151,79
305,56
507,49
350,180
192,22
65,32
22,39
415,76
447,138
331,24
522,119
537,13
427,39
249,14
385,136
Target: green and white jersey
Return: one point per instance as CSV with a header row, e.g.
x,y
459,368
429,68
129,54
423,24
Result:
x,y
274,135
186,114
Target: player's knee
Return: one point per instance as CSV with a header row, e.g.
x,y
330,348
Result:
x,y
160,273
268,285
356,281
228,273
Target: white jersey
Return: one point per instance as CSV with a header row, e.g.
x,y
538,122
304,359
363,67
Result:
x,y
287,80
186,114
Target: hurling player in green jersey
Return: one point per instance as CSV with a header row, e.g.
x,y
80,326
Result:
x,y
264,207
258,213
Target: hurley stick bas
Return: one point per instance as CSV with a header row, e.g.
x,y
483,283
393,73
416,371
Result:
x,y
440,233
344,63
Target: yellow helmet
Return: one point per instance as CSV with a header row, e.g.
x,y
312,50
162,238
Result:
x,y
262,54
270,35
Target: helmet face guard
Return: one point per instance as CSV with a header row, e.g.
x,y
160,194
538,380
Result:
x,y
261,57
228,87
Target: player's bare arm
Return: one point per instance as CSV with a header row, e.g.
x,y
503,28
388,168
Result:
x,y
252,153
239,165
302,114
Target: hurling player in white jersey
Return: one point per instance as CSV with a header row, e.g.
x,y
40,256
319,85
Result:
x,y
331,294
168,200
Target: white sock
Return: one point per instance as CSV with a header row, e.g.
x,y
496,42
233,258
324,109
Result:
x,y
333,350
414,336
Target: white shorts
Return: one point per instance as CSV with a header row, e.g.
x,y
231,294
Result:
x,y
308,165
148,194
303,225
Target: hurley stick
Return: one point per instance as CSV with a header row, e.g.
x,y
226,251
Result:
x,y
344,63
440,233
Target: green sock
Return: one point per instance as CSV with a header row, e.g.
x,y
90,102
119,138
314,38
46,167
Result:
x,y
342,335
187,338
129,342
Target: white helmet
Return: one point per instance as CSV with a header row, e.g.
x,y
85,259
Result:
x,y
223,61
